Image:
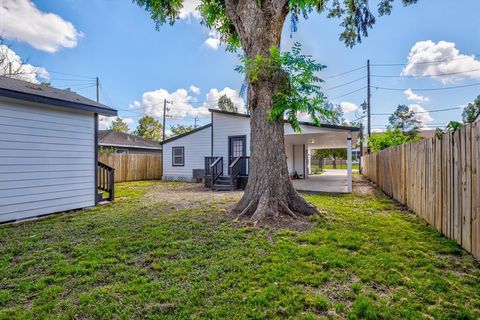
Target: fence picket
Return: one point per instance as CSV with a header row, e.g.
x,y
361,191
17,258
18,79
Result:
x,y
439,179
134,167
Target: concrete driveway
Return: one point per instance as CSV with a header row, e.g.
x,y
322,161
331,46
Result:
x,y
332,180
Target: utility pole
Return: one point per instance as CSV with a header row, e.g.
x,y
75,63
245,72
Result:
x,y
165,110
9,69
369,120
97,82
196,120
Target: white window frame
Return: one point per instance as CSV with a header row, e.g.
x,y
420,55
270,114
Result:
x,y
176,157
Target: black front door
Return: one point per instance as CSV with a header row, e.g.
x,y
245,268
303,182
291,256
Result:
x,y
237,147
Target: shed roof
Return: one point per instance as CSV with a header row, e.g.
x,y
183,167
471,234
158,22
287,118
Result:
x,y
38,93
109,138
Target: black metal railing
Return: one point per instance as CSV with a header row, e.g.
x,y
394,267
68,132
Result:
x,y
216,169
106,181
208,163
238,166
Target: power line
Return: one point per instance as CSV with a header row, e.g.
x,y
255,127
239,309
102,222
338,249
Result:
x,y
85,87
72,79
426,111
72,75
425,62
348,93
428,89
346,72
346,83
424,76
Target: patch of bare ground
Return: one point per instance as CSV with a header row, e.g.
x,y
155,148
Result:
x,y
362,185
181,196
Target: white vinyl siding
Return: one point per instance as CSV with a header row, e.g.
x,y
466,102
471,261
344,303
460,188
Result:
x,y
196,147
225,126
46,160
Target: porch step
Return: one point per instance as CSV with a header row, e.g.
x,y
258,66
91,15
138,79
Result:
x,y
224,183
223,187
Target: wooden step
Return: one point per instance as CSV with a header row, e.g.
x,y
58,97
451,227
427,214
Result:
x,y
223,187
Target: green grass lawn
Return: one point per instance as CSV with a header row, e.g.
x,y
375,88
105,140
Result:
x,y
147,259
330,166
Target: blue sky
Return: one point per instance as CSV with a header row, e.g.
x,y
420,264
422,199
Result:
x,y
117,41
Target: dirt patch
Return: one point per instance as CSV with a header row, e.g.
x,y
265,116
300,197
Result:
x,y
182,195
362,185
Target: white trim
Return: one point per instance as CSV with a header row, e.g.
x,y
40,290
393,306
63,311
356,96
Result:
x,y
349,163
126,146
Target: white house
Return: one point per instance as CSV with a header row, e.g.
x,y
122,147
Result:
x,y
48,150
227,138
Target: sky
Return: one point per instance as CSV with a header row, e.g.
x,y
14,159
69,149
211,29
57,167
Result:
x,y
434,44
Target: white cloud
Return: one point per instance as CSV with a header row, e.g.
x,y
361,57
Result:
x,y
348,107
415,97
152,103
420,113
213,40
453,61
190,9
23,71
104,123
195,90
21,20
211,99
378,130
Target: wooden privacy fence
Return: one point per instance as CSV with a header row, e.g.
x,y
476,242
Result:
x,y
133,167
438,179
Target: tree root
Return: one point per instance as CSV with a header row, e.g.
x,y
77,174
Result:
x,y
245,211
288,211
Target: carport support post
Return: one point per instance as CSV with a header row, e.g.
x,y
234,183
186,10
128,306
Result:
x,y
349,163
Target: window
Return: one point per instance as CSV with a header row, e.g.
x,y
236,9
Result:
x,y
178,156
121,151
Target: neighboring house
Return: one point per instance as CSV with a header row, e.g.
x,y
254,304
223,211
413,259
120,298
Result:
x,y
428,133
120,142
226,140
48,149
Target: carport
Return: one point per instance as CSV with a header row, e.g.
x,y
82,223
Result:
x,y
332,180
299,147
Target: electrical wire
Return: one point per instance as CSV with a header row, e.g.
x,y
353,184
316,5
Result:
x,y
346,72
348,93
427,89
417,63
416,112
425,76
71,74
346,83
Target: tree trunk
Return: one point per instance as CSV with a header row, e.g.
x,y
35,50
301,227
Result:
x,y
334,162
269,191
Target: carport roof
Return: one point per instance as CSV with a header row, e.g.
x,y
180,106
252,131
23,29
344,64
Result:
x,y
305,123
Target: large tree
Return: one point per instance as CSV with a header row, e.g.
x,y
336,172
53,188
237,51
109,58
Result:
x,y
256,26
149,128
333,154
404,119
119,125
471,111
390,138
180,129
226,104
